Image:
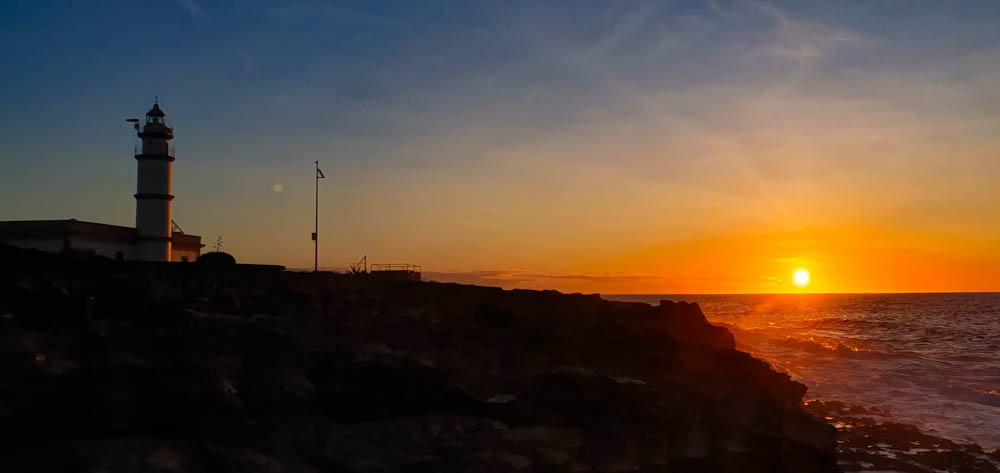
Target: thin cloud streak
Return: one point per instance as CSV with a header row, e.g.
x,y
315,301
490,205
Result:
x,y
192,7
517,278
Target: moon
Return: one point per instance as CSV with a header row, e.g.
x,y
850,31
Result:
x,y
278,188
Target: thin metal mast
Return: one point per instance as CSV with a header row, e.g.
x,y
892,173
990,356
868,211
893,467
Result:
x,y
316,227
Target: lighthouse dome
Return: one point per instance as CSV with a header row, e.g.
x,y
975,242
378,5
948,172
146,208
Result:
x,y
155,111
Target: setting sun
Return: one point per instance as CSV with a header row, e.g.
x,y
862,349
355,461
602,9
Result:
x,y
801,277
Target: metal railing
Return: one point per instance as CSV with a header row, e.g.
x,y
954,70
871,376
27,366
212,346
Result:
x,y
415,268
171,150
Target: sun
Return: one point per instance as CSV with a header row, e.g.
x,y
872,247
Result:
x,y
800,277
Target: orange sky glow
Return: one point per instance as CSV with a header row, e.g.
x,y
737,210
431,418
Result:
x,y
642,147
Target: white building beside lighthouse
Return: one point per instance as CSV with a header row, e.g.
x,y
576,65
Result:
x,y
155,236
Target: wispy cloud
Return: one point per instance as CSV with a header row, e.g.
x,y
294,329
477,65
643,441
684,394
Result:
x,y
192,7
633,21
338,14
802,40
517,278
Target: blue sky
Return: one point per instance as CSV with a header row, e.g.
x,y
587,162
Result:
x,y
475,136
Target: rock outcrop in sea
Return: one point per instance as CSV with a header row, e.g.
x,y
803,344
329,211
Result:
x,y
112,367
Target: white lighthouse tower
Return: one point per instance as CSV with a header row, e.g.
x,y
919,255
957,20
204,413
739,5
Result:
x,y
152,197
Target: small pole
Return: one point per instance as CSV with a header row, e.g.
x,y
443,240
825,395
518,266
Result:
x,y
316,227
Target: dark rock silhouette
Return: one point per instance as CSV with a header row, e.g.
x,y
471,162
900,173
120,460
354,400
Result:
x,y
868,440
117,366
217,258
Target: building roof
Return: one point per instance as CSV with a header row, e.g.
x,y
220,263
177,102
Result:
x,y
183,241
34,229
64,229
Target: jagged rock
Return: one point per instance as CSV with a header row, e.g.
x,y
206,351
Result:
x,y
109,366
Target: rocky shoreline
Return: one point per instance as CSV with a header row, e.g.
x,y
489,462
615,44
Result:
x,y
869,440
108,366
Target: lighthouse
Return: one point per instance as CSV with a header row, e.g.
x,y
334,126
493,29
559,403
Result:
x,y
155,236
152,197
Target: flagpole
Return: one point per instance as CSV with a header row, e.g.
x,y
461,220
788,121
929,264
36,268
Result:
x,y
316,227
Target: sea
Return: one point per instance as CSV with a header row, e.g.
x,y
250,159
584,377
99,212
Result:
x,y
930,360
